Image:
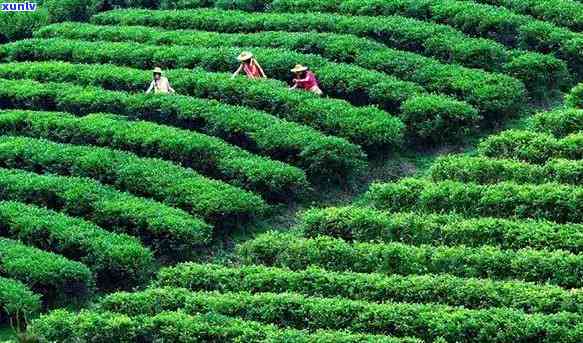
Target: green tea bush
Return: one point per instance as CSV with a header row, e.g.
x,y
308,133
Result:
x,y
371,225
567,13
427,322
532,147
19,304
118,261
367,126
444,289
100,326
175,186
560,122
60,281
494,95
485,170
325,156
206,154
430,39
172,232
285,250
575,96
357,85
550,201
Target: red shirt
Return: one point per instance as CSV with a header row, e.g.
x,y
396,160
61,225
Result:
x,y
252,70
310,81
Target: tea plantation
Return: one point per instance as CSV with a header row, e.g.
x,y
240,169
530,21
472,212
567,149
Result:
x,y
434,193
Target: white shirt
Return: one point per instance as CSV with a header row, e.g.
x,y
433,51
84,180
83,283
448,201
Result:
x,y
160,86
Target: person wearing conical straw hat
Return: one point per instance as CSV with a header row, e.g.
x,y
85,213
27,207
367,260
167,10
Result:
x,y
159,84
250,66
305,79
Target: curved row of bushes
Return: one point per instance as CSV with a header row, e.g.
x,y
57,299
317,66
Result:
x,y
575,97
560,123
118,260
550,201
208,155
215,201
367,126
325,156
443,289
567,13
60,281
474,19
443,42
531,146
103,326
19,304
495,95
369,225
427,322
171,232
286,250
485,170
426,116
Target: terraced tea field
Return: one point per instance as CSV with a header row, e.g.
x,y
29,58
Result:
x,y
434,193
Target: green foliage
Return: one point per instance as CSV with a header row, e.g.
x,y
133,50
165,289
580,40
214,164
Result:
x,y
430,39
175,186
330,157
568,13
444,289
495,95
485,170
60,281
532,147
172,232
19,304
427,322
548,201
560,122
370,225
285,250
118,261
367,126
200,152
99,326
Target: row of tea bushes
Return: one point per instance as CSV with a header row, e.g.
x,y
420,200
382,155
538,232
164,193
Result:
x,y
426,115
480,20
287,250
476,20
494,95
370,225
117,260
366,126
205,154
531,146
216,202
170,231
103,326
560,122
60,281
18,302
485,170
550,201
428,322
567,13
443,289
430,39
318,154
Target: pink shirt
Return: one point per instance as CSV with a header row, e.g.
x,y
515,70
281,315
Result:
x,y
252,70
310,82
